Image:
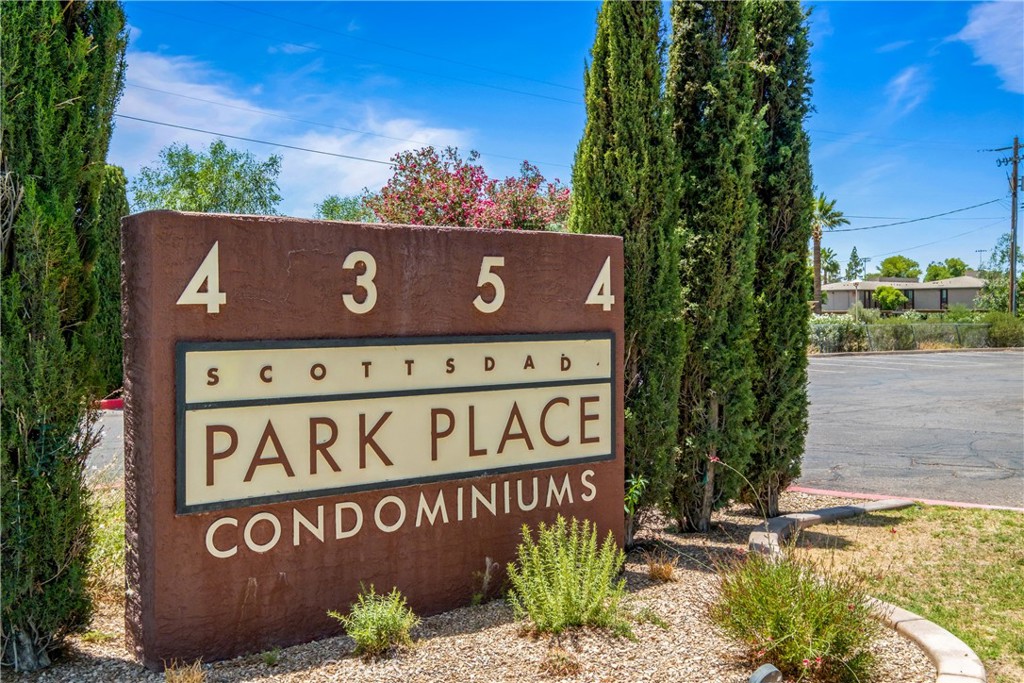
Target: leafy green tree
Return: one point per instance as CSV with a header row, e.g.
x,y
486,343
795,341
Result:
x,y
352,209
995,294
62,72
899,266
105,329
625,184
829,265
941,270
217,180
782,183
824,217
854,267
890,298
715,132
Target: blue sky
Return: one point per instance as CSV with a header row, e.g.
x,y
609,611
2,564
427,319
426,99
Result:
x,y
905,95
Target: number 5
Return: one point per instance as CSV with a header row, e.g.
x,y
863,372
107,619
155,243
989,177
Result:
x,y
489,277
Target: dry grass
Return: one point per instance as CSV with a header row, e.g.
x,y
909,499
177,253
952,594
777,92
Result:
x,y
106,557
934,346
179,672
661,566
559,663
962,569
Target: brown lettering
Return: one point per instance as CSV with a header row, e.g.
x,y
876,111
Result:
x,y
408,367
586,417
528,365
269,435
211,454
473,450
507,435
488,363
366,439
366,368
265,374
561,400
566,362
434,434
318,371
449,366
318,448
212,374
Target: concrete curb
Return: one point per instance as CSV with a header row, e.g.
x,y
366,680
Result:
x,y
954,661
909,352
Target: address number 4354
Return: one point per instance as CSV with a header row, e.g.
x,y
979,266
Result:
x,y
365,298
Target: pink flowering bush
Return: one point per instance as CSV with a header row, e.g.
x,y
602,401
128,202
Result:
x,y
432,188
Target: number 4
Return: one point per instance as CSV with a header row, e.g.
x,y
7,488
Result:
x,y
601,292
208,272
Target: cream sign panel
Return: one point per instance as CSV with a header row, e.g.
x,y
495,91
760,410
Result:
x,y
272,421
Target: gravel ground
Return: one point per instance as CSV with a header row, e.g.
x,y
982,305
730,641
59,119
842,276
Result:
x,y
485,643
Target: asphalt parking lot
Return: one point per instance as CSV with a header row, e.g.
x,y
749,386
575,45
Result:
x,y
943,426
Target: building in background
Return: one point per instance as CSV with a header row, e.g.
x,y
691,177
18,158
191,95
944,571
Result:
x,y
937,295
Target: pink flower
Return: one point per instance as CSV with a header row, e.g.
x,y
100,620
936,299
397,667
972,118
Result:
x,y
715,458
807,662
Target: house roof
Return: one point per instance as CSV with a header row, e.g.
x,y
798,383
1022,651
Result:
x,y
963,282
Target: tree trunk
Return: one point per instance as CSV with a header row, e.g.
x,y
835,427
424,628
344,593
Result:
x,y
817,272
704,523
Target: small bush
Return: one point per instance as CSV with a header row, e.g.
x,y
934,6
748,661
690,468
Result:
x,y
804,619
660,566
563,580
106,556
958,313
378,623
1004,330
559,662
179,672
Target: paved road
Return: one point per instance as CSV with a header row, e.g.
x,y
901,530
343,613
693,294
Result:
x,y
944,426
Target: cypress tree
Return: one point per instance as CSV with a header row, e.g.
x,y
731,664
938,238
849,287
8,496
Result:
x,y
782,182
624,183
62,73
105,331
708,87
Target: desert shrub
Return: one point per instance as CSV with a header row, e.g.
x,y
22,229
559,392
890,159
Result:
x,y
958,313
559,662
913,316
864,315
661,566
803,618
892,335
1004,330
180,672
378,623
834,334
563,580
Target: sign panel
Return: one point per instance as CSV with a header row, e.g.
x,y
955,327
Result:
x,y
311,406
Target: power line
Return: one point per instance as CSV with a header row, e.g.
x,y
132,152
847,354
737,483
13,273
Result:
x,y
944,239
916,220
260,142
263,112
900,218
317,48
235,6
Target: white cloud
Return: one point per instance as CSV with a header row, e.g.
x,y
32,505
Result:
x,y
212,104
292,48
994,32
893,46
906,91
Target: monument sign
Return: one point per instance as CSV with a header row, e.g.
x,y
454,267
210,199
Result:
x,y
312,406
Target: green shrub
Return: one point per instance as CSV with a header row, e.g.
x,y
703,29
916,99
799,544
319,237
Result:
x,y
958,313
563,580
801,617
1004,330
890,298
378,623
834,334
106,556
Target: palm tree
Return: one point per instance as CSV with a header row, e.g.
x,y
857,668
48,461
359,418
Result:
x,y
829,265
824,216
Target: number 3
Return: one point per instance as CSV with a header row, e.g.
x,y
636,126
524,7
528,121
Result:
x,y
489,277
364,281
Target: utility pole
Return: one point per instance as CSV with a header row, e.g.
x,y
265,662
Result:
x,y
981,257
1014,162
1014,184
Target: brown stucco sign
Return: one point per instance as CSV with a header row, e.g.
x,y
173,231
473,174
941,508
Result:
x,y
312,406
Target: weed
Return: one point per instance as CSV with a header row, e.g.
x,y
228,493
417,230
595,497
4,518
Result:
x,y
646,615
94,636
559,662
562,580
272,657
180,672
661,566
106,556
807,620
378,623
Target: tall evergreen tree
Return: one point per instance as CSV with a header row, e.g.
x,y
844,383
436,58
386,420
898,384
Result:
x,y
782,182
708,87
624,183
62,73
105,327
